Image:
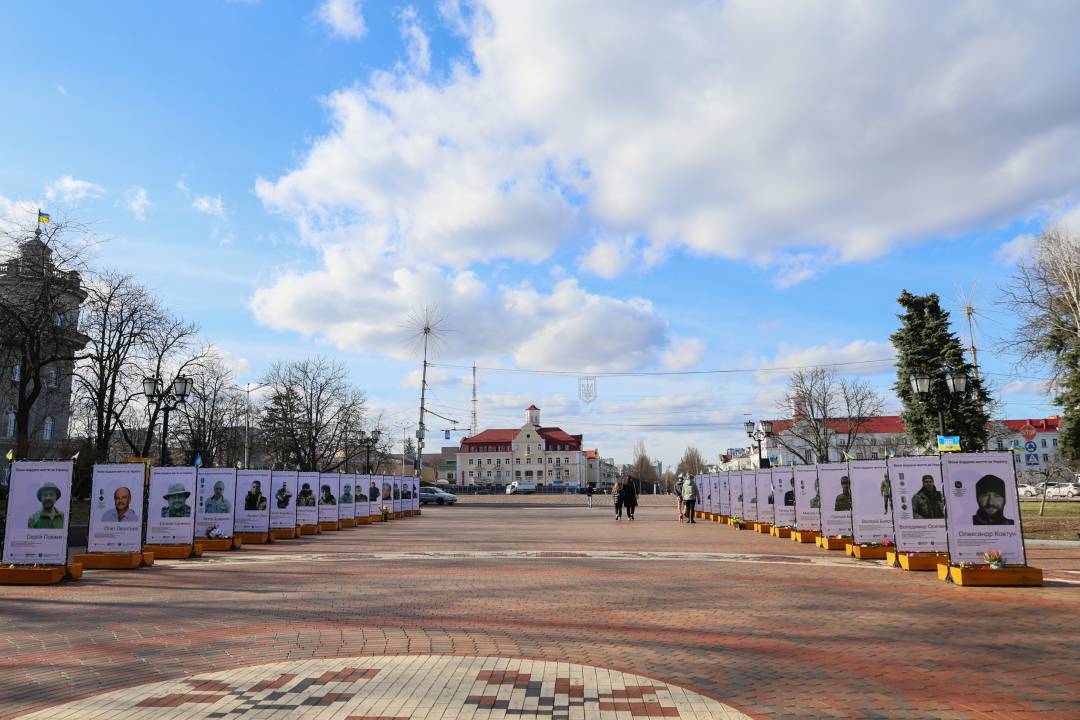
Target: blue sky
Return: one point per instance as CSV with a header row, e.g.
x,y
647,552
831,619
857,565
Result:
x,y
611,187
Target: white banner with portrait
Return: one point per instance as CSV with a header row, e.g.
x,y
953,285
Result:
x,y
750,499
763,479
835,499
724,485
171,512
360,492
783,484
38,509
982,507
386,499
398,480
737,507
307,498
283,485
215,506
328,497
347,498
116,502
918,504
253,501
871,502
414,493
807,498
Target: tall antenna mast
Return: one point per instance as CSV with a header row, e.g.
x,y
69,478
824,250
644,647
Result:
x,y
423,391
969,311
473,429
426,327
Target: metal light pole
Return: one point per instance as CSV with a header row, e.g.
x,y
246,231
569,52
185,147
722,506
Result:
x,y
369,442
755,434
170,399
954,381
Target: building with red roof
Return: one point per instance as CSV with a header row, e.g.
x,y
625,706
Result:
x,y
531,454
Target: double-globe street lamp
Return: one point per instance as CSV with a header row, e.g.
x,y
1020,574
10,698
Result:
x,y
754,433
956,382
369,441
170,398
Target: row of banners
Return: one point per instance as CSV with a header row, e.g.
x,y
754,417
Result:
x,y
185,503
963,504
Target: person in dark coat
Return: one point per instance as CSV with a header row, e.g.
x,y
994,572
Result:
x,y
629,497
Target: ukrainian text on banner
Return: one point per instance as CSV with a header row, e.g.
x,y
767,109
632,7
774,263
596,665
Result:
x,y
871,502
783,482
214,504
116,502
982,507
253,505
763,480
725,493
39,500
835,499
347,501
714,491
360,490
702,494
918,504
328,497
738,509
398,480
283,499
171,513
750,499
706,494
807,498
307,499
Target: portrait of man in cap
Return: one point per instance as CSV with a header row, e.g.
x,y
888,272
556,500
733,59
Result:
x,y
217,503
121,510
176,505
928,503
990,494
48,517
305,498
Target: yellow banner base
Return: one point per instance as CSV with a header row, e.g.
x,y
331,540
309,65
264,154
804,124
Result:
x,y
112,560
309,529
1010,576
780,532
253,538
866,552
832,543
26,575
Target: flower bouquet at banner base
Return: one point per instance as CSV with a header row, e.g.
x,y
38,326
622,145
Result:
x,y
878,543
994,559
385,512
215,533
738,523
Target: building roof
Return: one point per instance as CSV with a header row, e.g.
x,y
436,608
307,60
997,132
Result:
x,y
1049,424
592,453
884,424
532,407
496,436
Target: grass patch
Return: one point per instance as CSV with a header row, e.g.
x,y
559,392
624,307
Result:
x,y
1030,508
1061,520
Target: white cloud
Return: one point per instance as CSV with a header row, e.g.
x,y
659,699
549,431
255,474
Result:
x,y
858,357
209,205
1024,387
343,17
610,257
417,45
1015,250
137,202
71,190
436,377
684,353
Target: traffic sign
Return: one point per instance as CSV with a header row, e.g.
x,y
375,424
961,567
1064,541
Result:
x,y
1031,459
1028,431
1030,446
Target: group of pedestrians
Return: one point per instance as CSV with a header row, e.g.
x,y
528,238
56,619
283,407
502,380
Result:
x,y
624,496
686,497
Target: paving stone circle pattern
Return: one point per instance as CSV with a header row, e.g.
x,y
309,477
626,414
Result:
x,y
417,687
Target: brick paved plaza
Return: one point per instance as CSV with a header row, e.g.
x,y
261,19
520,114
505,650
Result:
x,y
552,611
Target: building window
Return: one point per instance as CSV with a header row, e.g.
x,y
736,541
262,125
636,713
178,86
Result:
x,y
1053,441
52,377
517,461
489,461
549,460
1044,442
566,460
557,461
528,461
16,372
470,461
47,427
517,473
489,473
539,446
11,424
1045,457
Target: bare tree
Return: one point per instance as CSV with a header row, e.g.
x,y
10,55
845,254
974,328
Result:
x,y
208,420
692,463
40,295
310,413
827,411
644,471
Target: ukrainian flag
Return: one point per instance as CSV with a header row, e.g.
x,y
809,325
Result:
x,y
10,454
42,217
889,453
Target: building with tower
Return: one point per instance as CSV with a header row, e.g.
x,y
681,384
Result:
x,y
532,453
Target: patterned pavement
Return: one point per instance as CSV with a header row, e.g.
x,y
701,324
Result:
x,y
763,625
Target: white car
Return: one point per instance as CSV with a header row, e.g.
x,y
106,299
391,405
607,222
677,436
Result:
x,y
1064,490
1026,490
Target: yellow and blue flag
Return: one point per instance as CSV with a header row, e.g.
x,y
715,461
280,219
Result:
x,y
42,217
890,453
10,454
198,459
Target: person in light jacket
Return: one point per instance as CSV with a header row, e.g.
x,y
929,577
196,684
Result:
x,y
616,499
689,498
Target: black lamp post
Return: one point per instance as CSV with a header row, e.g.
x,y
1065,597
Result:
x,y
754,433
956,383
170,399
369,441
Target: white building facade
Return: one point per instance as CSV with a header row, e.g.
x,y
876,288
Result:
x,y
545,456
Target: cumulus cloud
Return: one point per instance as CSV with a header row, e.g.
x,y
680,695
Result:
x,y
684,354
1015,250
209,205
343,17
72,190
417,45
856,357
1024,387
137,202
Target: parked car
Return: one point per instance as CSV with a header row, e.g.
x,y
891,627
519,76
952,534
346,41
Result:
x,y
430,495
1064,490
1026,490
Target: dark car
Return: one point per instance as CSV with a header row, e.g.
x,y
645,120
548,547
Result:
x,y
430,495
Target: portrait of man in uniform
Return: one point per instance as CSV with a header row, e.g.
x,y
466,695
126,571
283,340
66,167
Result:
x,y
176,505
255,500
283,496
990,494
48,517
928,503
305,498
121,510
374,491
346,494
327,497
843,500
217,503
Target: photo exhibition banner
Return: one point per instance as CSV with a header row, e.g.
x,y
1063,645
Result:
x,y
116,505
724,484
386,489
871,502
918,504
215,507
375,494
398,479
171,511
714,491
283,499
783,483
763,479
360,491
253,501
835,499
328,497
737,508
807,498
307,498
346,500
982,508
414,493
39,501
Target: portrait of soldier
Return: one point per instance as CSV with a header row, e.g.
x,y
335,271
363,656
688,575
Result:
x,y
327,497
255,500
397,491
360,495
121,510
346,494
815,502
176,505
789,497
374,491
990,493
886,494
843,500
217,503
406,491
283,496
48,517
928,503
386,494
305,498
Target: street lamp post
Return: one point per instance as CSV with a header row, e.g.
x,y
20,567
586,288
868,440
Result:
x,y
369,441
754,433
956,383
170,398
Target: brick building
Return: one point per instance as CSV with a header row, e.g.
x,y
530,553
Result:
x,y
528,454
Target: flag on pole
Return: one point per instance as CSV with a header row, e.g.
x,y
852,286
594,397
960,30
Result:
x,y
10,454
890,453
238,464
846,456
75,457
42,217
198,459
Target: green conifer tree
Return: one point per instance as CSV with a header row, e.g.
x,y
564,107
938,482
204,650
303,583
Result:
x,y
1068,399
925,344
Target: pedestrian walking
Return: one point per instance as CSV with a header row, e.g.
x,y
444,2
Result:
x,y
678,496
616,497
689,498
588,496
629,497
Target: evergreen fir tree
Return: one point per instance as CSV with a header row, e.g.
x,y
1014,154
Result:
x,y
925,344
1068,399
